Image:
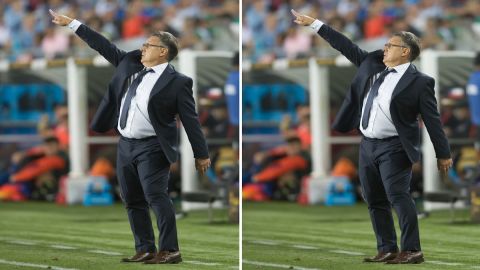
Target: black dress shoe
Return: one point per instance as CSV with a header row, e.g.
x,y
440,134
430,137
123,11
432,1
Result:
x,y
164,257
406,257
381,257
140,257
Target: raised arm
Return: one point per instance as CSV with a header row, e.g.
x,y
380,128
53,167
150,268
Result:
x,y
95,40
336,39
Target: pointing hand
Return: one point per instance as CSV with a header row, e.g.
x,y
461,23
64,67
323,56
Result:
x,y
302,19
59,19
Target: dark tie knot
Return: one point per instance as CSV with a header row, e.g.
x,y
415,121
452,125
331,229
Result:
x,y
145,71
390,70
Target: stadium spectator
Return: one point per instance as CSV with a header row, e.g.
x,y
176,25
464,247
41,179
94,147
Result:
x,y
35,174
277,173
297,43
54,43
58,129
214,118
300,129
132,27
232,94
473,89
282,160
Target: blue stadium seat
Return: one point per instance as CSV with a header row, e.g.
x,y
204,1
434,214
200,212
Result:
x,y
98,192
340,192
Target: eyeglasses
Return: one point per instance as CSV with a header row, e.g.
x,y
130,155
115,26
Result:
x,y
390,45
146,45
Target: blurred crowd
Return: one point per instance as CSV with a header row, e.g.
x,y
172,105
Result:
x,y
269,32
34,172
26,31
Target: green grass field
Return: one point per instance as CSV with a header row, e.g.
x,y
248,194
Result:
x,y
289,236
36,235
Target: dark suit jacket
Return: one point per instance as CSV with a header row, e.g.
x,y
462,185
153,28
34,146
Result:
x,y
171,95
413,96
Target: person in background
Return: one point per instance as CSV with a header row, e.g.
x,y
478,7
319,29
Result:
x,y
473,88
232,94
35,173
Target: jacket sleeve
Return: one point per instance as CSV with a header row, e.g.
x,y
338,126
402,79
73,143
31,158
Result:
x,y
343,44
189,118
431,118
100,44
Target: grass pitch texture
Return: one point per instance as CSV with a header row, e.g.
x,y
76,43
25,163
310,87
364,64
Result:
x,y
42,235
290,236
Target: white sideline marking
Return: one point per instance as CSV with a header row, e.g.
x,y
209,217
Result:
x,y
62,247
105,252
476,267
353,253
265,242
284,266
97,251
203,263
444,263
304,247
22,242
35,265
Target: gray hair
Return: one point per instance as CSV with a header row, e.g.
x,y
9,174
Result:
x,y
170,41
411,41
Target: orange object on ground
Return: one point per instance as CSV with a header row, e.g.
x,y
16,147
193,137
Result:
x,y
344,167
102,167
38,167
253,192
11,192
280,167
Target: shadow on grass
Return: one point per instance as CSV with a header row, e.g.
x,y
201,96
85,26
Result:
x,y
337,220
99,220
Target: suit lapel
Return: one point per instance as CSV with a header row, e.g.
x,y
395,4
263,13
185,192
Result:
x,y
131,68
406,79
165,78
134,66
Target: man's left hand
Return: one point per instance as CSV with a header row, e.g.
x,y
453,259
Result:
x,y
444,164
202,165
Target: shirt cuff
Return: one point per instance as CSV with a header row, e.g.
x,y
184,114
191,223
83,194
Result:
x,y
74,25
316,25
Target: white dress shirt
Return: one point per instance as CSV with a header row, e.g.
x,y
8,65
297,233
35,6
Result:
x,y
380,124
74,25
138,121
316,25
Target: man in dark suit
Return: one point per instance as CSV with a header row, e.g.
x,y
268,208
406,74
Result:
x,y
384,101
141,103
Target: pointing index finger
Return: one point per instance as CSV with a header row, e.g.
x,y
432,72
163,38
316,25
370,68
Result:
x,y
296,14
52,13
